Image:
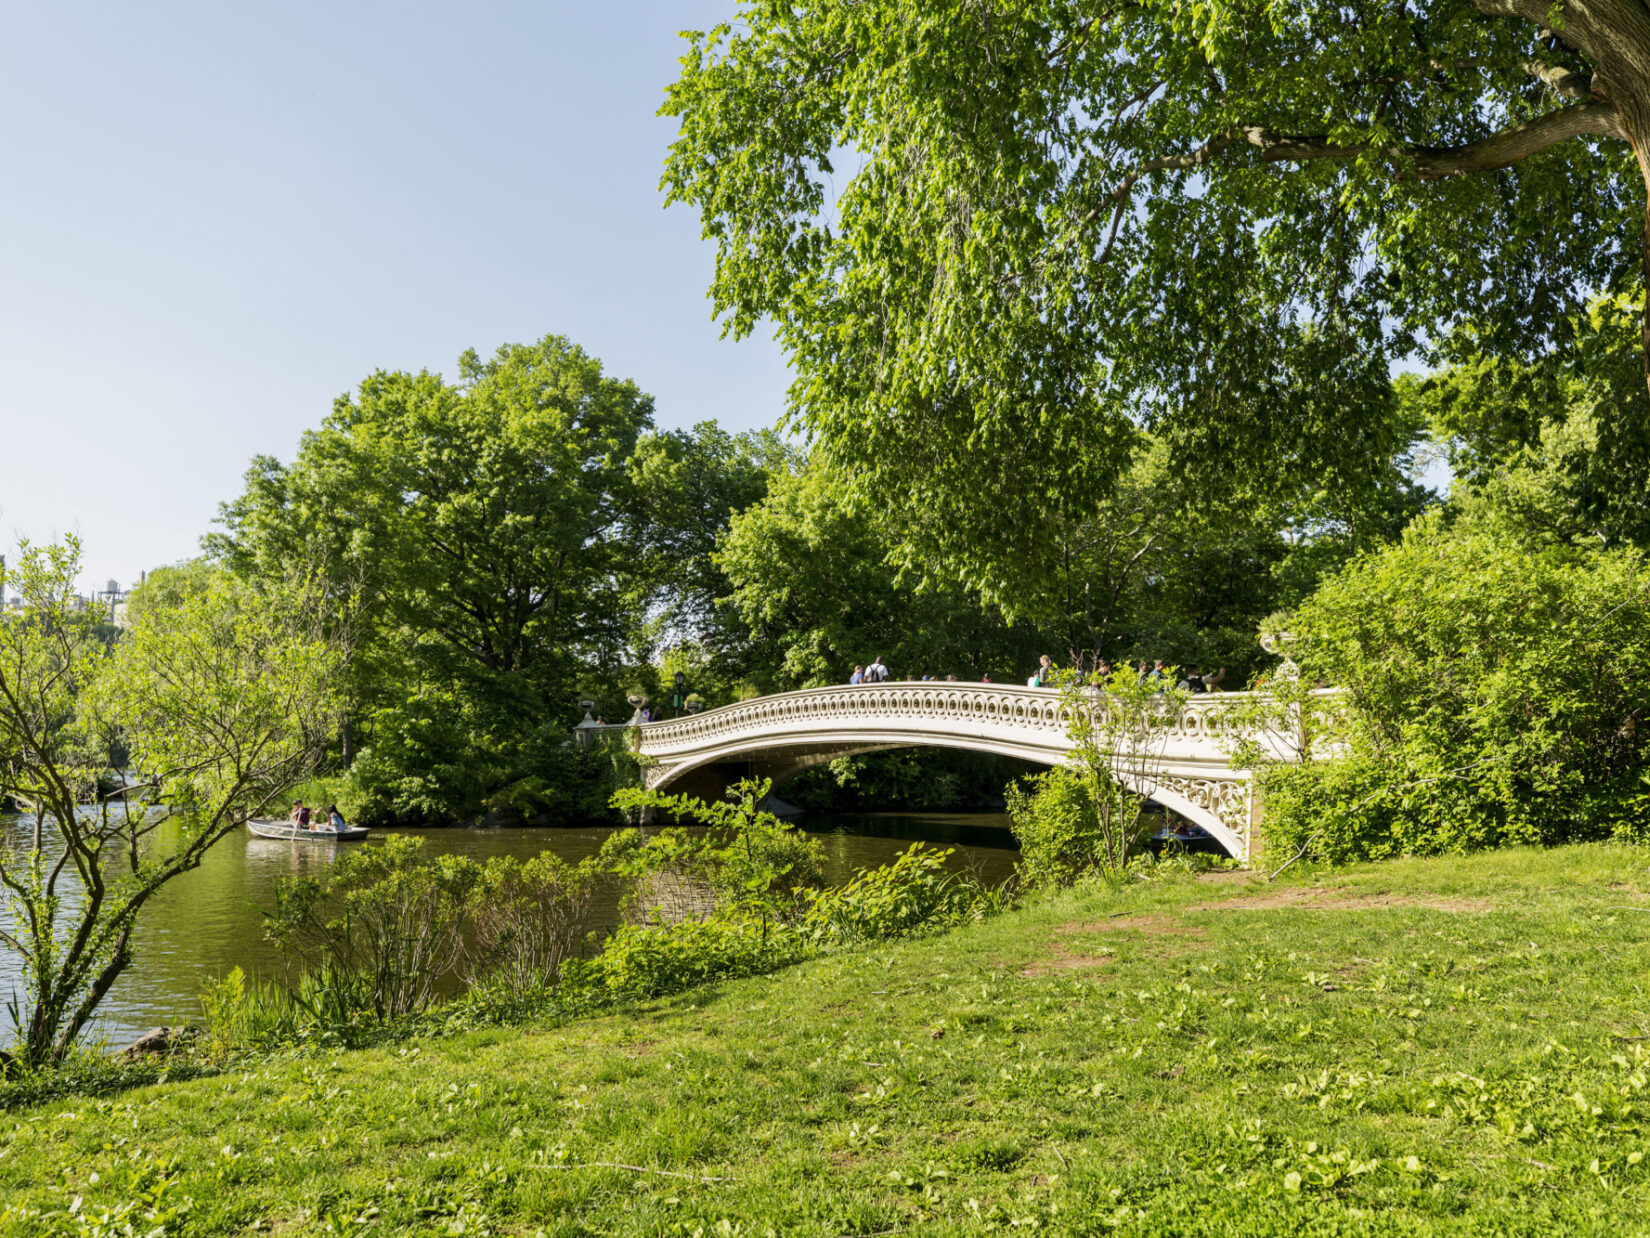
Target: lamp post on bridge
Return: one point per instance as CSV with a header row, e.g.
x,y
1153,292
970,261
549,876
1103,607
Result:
x,y
588,728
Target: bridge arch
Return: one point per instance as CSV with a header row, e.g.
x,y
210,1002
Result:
x,y
780,735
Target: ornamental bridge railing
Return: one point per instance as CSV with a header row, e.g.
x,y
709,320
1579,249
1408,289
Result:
x,y
1189,768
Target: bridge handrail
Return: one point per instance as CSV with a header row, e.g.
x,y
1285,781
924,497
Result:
x,y
1037,708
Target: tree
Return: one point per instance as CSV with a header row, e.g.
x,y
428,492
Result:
x,y
1527,435
223,698
1153,571
814,593
509,543
1069,219
686,486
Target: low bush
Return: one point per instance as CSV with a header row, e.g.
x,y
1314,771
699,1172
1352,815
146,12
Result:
x,y
1058,828
528,918
239,1013
749,862
387,930
917,892
1495,693
643,961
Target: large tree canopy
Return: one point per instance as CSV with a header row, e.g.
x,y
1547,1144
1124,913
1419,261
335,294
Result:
x,y
1064,220
504,545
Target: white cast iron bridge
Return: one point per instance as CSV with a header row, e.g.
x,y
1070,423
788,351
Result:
x,y
780,735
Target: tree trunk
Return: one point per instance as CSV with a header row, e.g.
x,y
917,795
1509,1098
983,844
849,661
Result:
x,y
119,960
1615,34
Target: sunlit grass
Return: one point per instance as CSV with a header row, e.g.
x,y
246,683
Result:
x,y
1446,1046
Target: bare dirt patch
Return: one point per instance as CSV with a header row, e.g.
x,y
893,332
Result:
x,y
1152,923
1148,934
1229,877
1306,898
1064,963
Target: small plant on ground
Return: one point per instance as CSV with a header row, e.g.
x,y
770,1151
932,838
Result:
x,y
528,919
916,892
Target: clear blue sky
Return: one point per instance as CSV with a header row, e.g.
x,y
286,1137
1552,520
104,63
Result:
x,y
215,218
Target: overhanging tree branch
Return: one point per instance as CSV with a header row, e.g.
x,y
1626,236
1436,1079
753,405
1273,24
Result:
x,y
1499,150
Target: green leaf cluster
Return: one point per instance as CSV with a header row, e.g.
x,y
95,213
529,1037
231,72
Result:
x,y
1495,692
506,543
1000,241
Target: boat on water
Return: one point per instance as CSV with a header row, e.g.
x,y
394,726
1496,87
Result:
x,y
286,830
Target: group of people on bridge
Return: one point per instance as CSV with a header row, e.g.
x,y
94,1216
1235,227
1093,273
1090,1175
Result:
x,y
1155,673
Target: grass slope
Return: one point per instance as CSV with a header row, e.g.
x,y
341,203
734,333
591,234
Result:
x,y
1448,1046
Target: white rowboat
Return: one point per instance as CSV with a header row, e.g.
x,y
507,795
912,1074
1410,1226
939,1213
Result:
x,y
286,830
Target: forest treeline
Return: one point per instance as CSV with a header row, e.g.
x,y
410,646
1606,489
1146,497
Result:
x,y
506,543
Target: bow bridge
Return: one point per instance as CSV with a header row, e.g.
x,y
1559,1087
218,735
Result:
x,y
778,736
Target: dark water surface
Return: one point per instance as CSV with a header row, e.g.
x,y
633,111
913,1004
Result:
x,y
210,920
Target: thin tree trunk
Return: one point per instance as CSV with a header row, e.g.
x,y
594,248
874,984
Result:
x,y
118,962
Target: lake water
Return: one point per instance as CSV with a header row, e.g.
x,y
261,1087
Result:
x,y
210,920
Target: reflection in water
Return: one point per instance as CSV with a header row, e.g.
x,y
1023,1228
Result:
x,y
207,921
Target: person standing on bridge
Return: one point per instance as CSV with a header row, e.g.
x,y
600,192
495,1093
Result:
x,y
1198,684
876,672
858,677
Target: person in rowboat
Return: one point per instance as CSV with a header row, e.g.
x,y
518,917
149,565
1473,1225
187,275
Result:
x,y
300,814
335,819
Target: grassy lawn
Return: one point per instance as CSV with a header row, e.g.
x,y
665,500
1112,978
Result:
x,y
1449,1046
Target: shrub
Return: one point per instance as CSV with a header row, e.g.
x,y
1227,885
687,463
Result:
x,y
239,1013
656,960
1059,830
528,918
750,861
1495,692
914,893
389,925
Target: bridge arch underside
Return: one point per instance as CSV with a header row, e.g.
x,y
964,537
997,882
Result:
x,y
707,774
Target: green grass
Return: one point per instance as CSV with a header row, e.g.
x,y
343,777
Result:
x,y
1444,1046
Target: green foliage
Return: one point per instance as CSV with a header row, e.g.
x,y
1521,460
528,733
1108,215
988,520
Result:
x,y
815,595
645,961
1055,823
1084,817
1495,691
221,695
916,893
433,757
386,930
1559,445
1063,222
529,918
240,1014
506,543
757,865
1157,570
